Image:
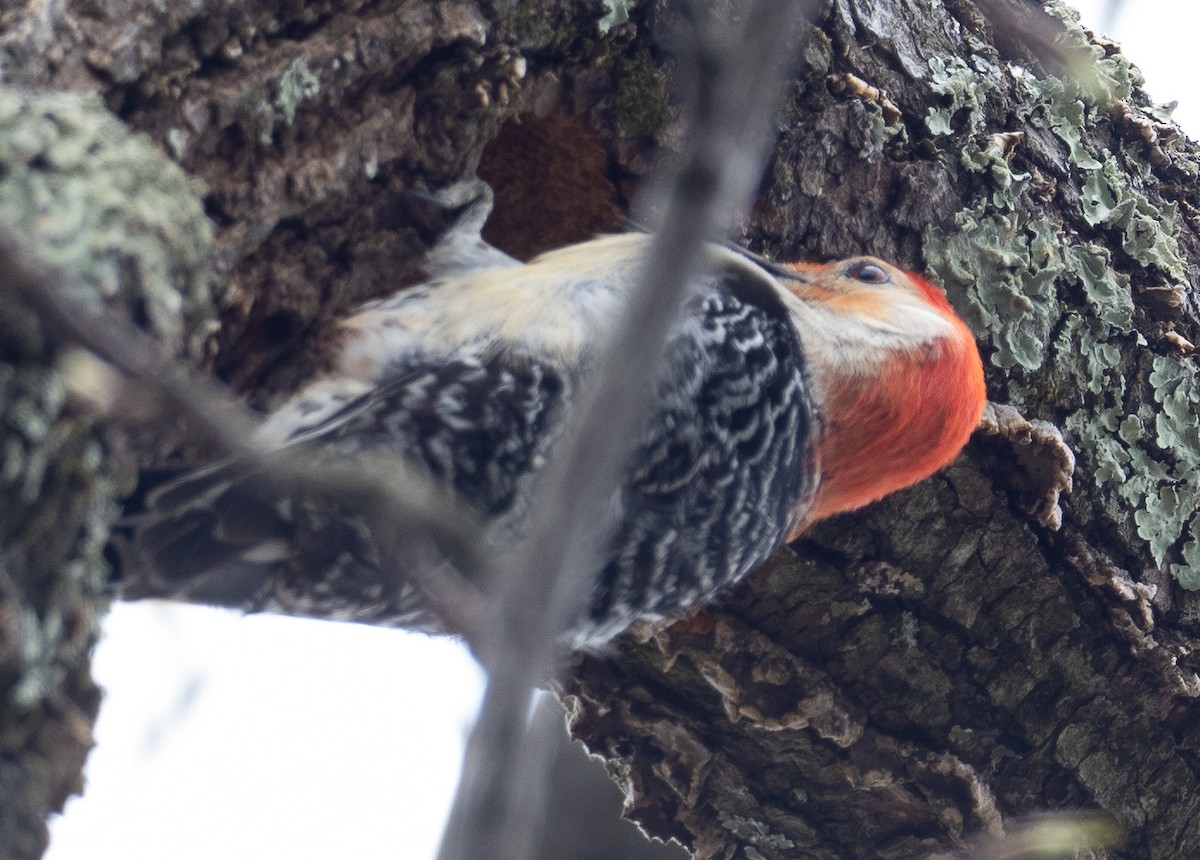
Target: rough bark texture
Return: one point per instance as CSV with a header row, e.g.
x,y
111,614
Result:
x,y
897,680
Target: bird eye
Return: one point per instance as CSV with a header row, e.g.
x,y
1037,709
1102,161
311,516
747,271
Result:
x,y
867,273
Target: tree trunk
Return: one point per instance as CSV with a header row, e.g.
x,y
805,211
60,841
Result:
x,y
935,666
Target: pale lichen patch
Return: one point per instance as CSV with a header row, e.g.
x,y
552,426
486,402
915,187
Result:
x,y
1019,279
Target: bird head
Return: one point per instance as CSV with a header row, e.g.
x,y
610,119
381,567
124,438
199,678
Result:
x,y
897,372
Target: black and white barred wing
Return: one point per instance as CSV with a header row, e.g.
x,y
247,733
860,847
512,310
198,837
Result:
x,y
727,466
227,535
722,471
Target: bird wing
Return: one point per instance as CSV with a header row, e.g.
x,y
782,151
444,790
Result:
x,y
722,471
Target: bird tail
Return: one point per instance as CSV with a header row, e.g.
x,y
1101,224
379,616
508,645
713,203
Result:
x,y
221,536
199,535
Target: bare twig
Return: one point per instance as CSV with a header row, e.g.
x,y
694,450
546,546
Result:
x,y
546,586
103,332
405,508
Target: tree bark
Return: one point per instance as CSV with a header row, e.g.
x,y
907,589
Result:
x,y
938,665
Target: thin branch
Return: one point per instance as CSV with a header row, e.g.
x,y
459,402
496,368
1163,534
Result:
x,y
546,586
106,334
405,508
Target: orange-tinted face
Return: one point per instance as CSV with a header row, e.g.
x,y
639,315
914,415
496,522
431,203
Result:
x,y
867,287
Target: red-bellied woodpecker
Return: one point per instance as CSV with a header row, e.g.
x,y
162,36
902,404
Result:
x,y
787,394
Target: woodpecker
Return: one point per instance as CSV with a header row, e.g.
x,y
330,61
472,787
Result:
x,y
787,394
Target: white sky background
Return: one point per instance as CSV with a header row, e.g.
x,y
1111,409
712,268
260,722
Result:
x,y
261,737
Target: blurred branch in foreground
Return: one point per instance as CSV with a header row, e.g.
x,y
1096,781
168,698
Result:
x,y
738,73
400,502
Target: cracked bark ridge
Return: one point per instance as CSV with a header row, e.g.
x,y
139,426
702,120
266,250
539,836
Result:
x,y
898,682
1044,463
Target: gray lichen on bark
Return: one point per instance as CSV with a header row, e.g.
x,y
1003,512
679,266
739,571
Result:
x,y
86,196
